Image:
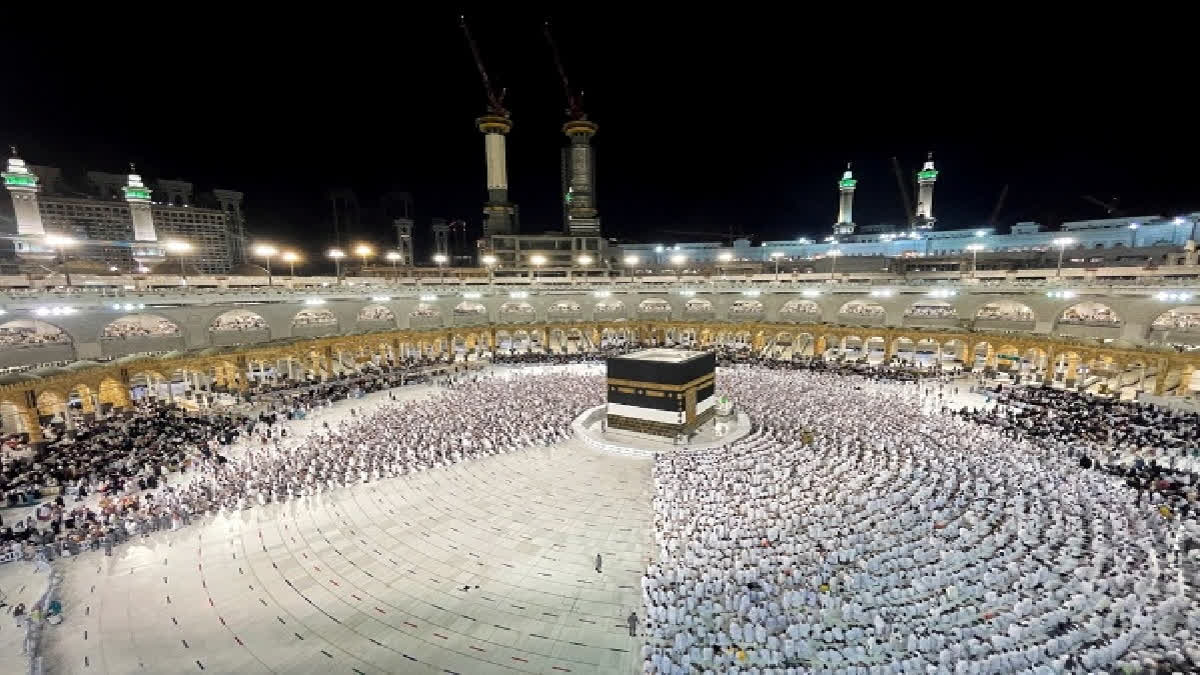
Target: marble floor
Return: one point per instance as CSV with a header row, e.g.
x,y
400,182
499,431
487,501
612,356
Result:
x,y
484,567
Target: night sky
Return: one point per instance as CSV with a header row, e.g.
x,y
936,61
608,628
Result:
x,y
707,121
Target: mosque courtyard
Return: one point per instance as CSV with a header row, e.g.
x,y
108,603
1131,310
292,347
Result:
x,y
864,524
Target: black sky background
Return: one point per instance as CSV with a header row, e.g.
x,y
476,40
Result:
x,y
708,120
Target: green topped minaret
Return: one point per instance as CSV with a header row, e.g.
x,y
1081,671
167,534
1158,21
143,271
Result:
x,y
845,220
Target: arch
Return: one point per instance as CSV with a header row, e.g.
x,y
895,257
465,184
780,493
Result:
x,y
31,333
860,310
1089,314
425,310
51,403
793,308
564,307
742,307
238,320
112,393
140,326
469,308
931,309
697,306
1006,310
608,308
654,306
376,313
519,308
1186,319
314,317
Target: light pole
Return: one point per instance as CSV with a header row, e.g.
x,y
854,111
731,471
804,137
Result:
x,y
337,254
363,251
1062,243
974,249
585,261
291,258
776,255
179,248
393,257
60,242
833,253
490,261
677,260
440,259
630,261
266,251
723,257
538,260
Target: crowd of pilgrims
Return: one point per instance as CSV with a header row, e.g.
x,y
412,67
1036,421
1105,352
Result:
x,y
1183,319
140,327
16,335
233,462
863,529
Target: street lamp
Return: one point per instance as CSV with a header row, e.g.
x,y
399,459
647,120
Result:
x,y
490,261
723,257
776,255
677,260
1062,243
59,242
833,253
393,257
974,249
266,251
538,260
337,254
440,259
363,251
291,258
585,260
180,248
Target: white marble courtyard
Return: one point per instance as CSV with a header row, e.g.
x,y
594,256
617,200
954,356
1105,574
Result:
x,y
483,567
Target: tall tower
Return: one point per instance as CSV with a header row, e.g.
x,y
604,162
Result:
x,y
230,201
582,216
404,240
579,165
138,196
845,220
441,237
22,186
926,177
499,215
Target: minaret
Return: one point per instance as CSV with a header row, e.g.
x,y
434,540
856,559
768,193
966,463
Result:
x,y
22,186
580,199
404,240
441,237
499,215
145,250
926,177
579,165
845,221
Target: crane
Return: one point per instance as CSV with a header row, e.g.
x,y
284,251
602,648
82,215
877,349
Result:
x,y
574,102
909,214
495,101
991,221
1111,207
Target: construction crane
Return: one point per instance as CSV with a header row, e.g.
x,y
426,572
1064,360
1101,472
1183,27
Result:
x,y
495,104
991,221
574,101
1111,207
909,214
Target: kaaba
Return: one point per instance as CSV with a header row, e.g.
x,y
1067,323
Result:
x,y
663,392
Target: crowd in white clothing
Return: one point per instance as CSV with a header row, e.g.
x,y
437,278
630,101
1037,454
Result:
x,y
140,327
932,311
1181,319
883,536
238,322
25,337
863,309
314,317
376,313
997,312
1089,314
